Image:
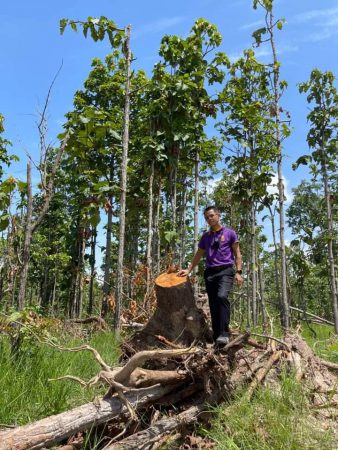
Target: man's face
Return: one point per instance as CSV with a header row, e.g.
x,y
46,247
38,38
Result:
x,y
212,217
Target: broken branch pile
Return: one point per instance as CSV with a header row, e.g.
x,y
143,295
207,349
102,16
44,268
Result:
x,y
189,378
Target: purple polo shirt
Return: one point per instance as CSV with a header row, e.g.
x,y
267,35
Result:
x,y
218,247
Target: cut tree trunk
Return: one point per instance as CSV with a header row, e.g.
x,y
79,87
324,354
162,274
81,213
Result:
x,y
54,429
145,439
176,317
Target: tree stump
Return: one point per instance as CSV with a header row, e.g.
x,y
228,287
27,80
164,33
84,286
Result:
x,y
176,317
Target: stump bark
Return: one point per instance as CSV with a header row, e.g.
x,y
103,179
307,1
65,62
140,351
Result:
x,y
176,317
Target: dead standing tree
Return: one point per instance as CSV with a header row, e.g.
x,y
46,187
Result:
x,y
30,226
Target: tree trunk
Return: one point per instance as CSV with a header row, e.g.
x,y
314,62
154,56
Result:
x,y
27,241
145,439
176,317
157,238
253,265
273,230
123,185
330,232
150,232
183,225
92,272
106,288
51,430
285,302
196,212
261,291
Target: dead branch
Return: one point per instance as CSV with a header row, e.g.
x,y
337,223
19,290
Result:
x,y
321,319
140,358
49,191
145,439
260,375
329,364
98,320
167,342
96,354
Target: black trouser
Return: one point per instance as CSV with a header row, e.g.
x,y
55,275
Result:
x,y
218,283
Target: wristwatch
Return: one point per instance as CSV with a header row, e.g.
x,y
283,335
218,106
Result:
x,y
239,271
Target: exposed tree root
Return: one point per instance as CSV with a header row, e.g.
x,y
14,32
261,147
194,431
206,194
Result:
x,y
188,378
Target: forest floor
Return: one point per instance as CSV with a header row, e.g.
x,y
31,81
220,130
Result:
x,y
279,416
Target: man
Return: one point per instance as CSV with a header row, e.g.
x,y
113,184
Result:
x,y
220,245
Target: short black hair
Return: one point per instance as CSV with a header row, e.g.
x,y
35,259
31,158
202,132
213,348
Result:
x,y
209,208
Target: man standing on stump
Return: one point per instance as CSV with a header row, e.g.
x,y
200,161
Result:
x,y
220,245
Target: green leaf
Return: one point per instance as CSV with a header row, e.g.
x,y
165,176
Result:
x,y
63,24
4,222
115,134
280,24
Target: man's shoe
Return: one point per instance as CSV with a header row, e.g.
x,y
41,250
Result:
x,y
223,339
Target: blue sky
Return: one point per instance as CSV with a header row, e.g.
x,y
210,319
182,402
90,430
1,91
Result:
x,y
32,51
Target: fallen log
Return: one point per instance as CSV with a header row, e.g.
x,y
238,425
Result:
x,y
52,430
145,439
261,373
98,320
176,317
206,374
320,319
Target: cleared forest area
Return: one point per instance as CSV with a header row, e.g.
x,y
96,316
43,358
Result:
x,y
105,346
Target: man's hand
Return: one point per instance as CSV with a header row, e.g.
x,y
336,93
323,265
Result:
x,y
238,279
183,273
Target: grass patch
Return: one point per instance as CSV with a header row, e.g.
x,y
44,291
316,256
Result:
x,y
324,343
271,420
26,393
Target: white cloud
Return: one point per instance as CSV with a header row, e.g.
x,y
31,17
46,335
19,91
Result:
x,y
262,52
158,26
273,188
315,14
258,23
324,23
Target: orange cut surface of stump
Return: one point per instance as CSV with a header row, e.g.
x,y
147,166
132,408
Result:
x,y
168,280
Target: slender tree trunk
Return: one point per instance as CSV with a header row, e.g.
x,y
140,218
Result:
x,y
330,231
150,231
196,212
173,198
183,225
74,271
253,265
53,296
78,293
285,302
106,288
27,241
273,231
123,185
261,291
157,238
45,290
92,272
249,290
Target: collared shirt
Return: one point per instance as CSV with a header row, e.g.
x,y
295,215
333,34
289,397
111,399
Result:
x,y
218,247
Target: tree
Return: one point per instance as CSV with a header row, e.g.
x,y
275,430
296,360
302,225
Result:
x,y
322,139
281,132
246,102
98,29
